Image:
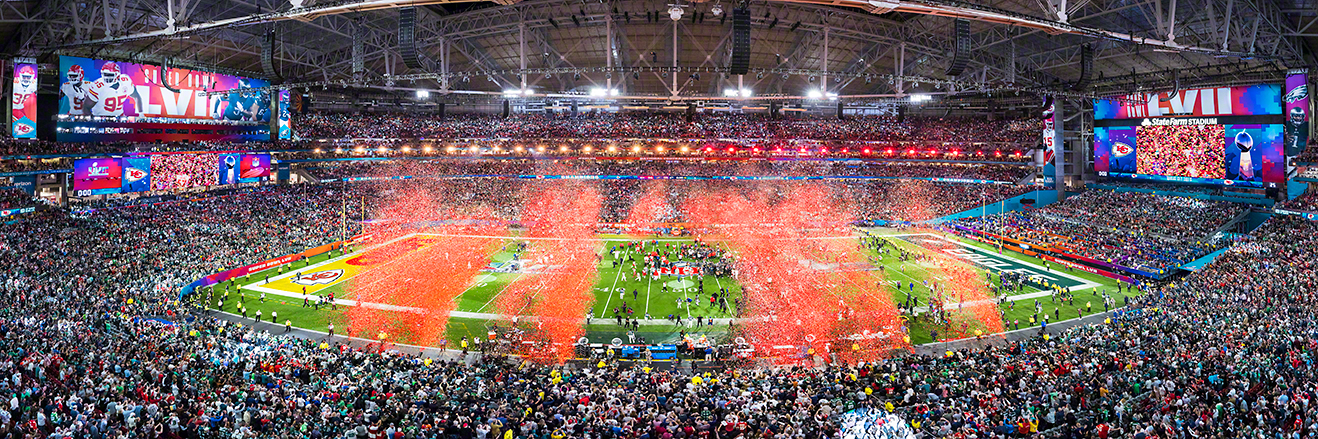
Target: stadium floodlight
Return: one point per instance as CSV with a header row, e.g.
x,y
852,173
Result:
x,y
675,12
814,94
598,92
613,92
423,94
717,9
831,96
745,92
512,93
528,92
730,92
917,98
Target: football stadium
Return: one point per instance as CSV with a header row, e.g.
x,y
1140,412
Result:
x,y
621,219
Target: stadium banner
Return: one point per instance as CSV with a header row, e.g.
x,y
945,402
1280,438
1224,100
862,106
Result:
x,y
1040,251
235,273
23,106
20,211
1049,141
96,87
137,174
1251,100
172,172
1311,216
254,168
284,124
1088,269
25,183
227,172
97,176
1297,110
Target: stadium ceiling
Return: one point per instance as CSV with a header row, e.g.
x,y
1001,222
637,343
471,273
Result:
x,y
872,48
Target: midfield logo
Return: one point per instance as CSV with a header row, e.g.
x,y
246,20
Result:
x,y
319,277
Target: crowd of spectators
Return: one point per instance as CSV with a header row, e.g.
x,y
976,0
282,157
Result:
x,y
1149,232
666,126
1010,173
15,149
14,198
1223,353
1307,201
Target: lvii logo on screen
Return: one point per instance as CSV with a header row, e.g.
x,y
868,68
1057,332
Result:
x,y
1178,122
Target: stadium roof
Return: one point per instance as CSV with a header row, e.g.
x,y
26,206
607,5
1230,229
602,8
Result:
x,y
563,45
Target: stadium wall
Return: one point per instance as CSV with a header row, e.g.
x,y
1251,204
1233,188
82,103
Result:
x,y
1260,200
1040,196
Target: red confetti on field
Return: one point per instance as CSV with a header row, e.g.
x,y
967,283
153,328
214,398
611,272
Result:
x,y
550,304
801,275
413,282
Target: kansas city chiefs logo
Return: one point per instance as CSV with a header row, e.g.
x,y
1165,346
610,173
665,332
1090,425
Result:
x,y
1122,149
319,277
1296,94
22,128
134,175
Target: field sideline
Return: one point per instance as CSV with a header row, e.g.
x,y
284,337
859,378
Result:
x,y
475,308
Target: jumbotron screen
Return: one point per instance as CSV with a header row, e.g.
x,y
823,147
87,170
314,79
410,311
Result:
x,y
1230,136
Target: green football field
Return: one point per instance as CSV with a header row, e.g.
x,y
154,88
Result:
x,y
659,298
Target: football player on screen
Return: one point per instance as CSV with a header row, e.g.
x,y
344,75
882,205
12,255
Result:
x,y
109,95
73,92
24,101
241,105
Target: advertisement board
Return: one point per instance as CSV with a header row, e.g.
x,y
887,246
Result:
x,y
254,168
97,176
23,104
137,174
1298,111
284,127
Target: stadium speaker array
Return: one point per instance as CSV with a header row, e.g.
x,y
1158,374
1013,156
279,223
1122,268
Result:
x,y
690,113
839,111
358,54
441,111
268,55
961,53
407,38
741,41
1086,66
901,114
164,76
507,108
774,110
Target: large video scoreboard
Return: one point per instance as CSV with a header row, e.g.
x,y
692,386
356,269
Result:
x,y
101,100
1230,136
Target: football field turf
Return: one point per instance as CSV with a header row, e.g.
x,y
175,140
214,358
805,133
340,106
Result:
x,y
477,306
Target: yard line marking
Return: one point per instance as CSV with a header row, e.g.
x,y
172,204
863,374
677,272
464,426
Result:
x,y
496,295
608,298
